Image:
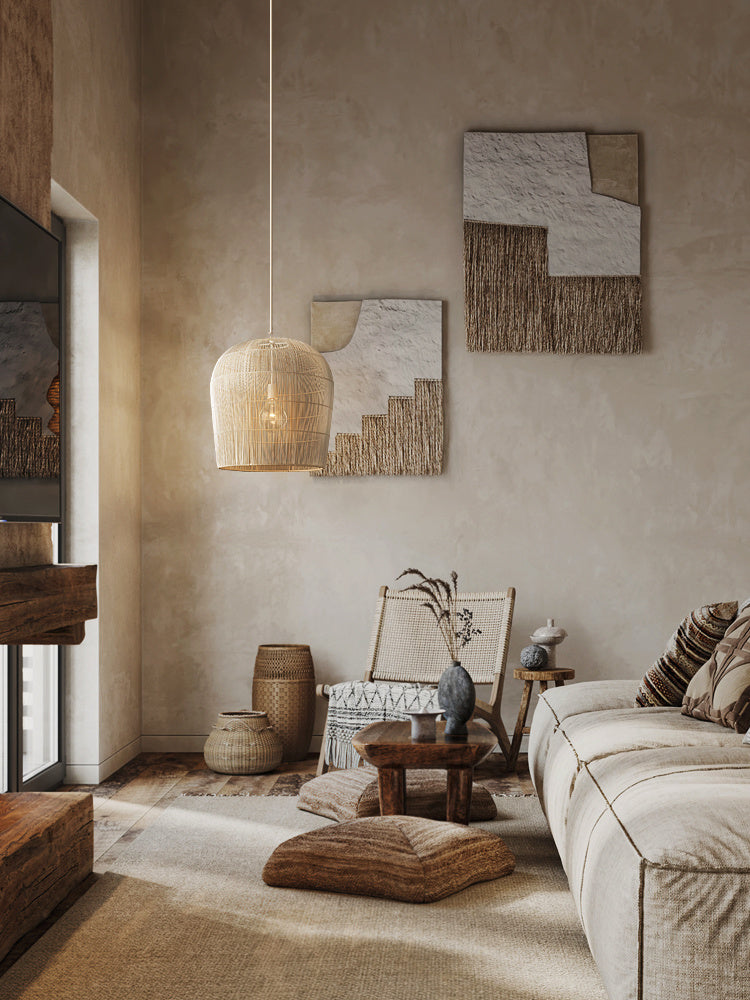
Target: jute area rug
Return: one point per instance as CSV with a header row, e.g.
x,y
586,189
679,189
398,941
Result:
x,y
184,915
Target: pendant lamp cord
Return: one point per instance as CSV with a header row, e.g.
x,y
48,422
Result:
x,y
270,168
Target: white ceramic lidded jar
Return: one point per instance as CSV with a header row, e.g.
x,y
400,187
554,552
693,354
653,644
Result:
x,y
550,636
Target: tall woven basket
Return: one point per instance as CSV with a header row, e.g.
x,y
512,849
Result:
x,y
242,743
284,688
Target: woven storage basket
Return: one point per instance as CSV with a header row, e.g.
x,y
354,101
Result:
x,y
242,743
284,688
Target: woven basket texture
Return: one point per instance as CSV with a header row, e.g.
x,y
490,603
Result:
x,y
242,743
284,688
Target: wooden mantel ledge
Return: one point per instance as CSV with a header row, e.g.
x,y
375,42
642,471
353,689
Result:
x,y
46,605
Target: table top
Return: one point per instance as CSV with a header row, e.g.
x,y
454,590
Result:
x,y
389,744
558,674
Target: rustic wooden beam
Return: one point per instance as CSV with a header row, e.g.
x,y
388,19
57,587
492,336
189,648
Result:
x,y
46,604
73,635
46,849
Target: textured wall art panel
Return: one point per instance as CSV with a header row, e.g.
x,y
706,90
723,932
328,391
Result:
x,y
386,360
552,242
29,387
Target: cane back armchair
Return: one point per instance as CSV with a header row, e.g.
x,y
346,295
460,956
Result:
x,y
406,658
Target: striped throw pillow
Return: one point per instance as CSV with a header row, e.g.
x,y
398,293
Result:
x,y
691,645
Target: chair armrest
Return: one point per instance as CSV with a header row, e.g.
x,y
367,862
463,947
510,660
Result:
x,y
321,690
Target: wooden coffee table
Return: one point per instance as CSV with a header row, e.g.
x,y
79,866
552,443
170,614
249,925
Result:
x,y
389,746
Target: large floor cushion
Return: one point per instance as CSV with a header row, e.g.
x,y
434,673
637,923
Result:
x,y
352,794
393,857
658,859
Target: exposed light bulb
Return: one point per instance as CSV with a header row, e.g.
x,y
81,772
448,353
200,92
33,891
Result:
x,y
272,414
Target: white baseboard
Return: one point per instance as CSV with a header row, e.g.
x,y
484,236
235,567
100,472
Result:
x,y
93,774
173,743
176,743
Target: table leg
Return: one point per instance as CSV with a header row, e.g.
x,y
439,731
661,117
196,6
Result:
x,y
560,683
460,780
542,687
523,711
392,790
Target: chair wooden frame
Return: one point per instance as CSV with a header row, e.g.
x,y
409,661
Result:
x,y
488,711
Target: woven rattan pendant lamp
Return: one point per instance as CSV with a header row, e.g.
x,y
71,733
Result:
x,y
271,399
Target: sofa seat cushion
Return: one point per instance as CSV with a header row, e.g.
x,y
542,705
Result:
x,y
589,696
353,793
602,734
393,857
658,857
681,807
582,739
559,703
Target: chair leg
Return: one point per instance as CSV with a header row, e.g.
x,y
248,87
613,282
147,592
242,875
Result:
x,y
321,692
503,739
491,715
322,766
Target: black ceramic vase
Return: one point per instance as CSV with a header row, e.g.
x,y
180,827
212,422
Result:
x,y
456,697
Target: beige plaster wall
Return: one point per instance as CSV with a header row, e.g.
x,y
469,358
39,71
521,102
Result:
x,y
611,491
96,159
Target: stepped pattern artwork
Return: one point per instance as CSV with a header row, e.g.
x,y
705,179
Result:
x,y
25,452
386,359
552,242
29,390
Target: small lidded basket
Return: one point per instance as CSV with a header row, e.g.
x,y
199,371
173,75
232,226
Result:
x,y
242,742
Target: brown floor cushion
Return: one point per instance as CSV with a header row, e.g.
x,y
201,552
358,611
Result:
x,y
352,794
395,857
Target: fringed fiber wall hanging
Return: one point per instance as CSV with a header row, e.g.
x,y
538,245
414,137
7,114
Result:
x,y
552,242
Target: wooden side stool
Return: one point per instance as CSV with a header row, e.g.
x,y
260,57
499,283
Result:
x,y
528,677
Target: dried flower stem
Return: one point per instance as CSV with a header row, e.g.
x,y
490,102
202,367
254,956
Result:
x,y
442,602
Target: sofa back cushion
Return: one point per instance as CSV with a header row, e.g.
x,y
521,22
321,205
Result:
x,y
720,690
688,649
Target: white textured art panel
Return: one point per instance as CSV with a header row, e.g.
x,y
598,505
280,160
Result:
x,y
28,359
543,179
395,342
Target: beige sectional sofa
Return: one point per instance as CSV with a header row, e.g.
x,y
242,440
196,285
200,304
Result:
x,y
650,811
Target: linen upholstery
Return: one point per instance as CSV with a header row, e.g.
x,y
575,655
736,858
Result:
x,y
352,794
581,739
557,703
394,857
688,649
650,811
659,866
720,691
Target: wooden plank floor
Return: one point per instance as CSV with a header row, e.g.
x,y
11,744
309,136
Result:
x,y
132,798
136,795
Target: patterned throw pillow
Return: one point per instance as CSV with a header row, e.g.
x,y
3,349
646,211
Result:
x,y
720,691
691,645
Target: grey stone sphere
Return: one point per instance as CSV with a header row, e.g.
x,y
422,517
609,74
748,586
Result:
x,y
534,657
